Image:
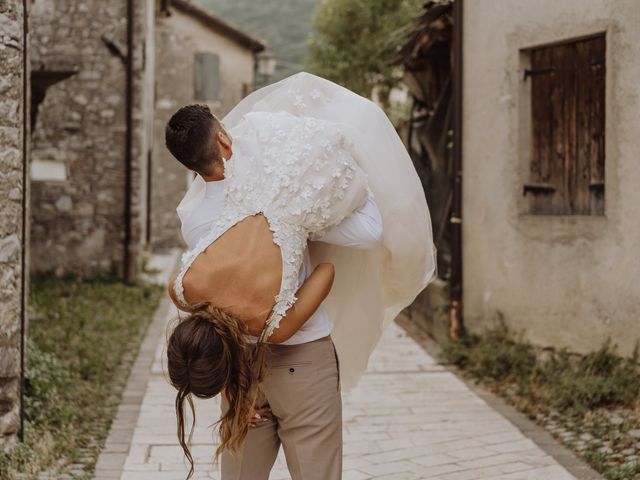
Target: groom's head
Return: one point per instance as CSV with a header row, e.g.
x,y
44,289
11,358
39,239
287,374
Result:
x,y
197,138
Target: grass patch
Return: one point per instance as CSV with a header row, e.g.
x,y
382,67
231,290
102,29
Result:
x,y
83,336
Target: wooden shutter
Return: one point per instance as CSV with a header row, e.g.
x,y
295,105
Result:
x,y
567,117
207,76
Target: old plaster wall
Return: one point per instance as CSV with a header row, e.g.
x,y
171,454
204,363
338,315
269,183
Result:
x,y
567,280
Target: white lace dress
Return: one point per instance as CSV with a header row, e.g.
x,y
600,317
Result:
x,y
300,173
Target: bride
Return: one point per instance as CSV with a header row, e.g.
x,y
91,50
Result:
x,y
307,154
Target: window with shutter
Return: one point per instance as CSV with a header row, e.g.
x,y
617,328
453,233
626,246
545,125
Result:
x,y
207,76
567,128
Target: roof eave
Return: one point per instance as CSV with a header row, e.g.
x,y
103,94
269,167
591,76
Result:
x,y
215,23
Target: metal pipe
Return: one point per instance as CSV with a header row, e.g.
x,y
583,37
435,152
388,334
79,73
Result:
x,y
127,266
25,203
149,196
455,313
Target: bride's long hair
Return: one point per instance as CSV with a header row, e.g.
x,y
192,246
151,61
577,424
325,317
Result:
x,y
208,354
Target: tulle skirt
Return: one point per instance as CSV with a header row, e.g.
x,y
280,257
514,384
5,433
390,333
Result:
x,y
372,286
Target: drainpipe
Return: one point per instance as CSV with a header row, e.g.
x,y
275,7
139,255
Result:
x,y
455,313
24,264
128,258
149,195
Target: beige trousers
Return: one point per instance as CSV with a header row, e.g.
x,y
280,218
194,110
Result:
x,y
303,390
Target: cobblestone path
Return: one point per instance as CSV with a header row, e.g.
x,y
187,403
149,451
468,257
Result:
x,y
408,419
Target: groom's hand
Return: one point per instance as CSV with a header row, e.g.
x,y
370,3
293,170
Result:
x,y
258,416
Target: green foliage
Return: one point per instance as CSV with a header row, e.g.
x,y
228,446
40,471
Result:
x,y
498,355
354,40
46,380
82,335
623,472
563,381
597,459
600,378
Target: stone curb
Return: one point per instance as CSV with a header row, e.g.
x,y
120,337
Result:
x,y
114,454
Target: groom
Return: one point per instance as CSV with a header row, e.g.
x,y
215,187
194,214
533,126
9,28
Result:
x,y
302,397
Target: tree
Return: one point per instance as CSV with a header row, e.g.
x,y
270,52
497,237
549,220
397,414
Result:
x,y
354,40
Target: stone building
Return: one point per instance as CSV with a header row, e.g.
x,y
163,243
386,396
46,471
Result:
x,y
14,83
103,185
200,59
550,104
551,221
92,117
77,140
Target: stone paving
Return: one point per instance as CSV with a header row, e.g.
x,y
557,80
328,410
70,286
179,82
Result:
x,y
408,419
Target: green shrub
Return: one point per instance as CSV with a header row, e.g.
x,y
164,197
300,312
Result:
x,y
498,354
570,383
623,472
600,378
459,352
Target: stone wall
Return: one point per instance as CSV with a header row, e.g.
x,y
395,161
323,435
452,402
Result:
x,y
174,89
13,193
179,37
568,280
78,142
143,115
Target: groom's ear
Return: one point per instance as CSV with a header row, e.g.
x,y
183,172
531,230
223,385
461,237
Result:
x,y
223,139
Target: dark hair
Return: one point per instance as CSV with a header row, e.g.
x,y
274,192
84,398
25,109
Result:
x,y
207,354
190,136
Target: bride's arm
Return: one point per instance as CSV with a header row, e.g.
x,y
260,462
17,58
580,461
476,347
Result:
x,y
310,295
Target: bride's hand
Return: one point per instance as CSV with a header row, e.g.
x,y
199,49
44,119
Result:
x,y
257,415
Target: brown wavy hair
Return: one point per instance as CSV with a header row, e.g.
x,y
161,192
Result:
x,y
208,354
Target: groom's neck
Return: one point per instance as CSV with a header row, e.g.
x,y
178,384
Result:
x,y
216,174
213,178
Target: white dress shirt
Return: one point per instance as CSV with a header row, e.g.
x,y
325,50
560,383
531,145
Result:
x,y
362,230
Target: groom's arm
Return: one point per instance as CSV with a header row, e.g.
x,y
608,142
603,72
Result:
x,y
362,229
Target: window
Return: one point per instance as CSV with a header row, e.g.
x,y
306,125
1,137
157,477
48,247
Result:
x,y
207,76
567,128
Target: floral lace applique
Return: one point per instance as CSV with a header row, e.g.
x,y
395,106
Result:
x,y
295,171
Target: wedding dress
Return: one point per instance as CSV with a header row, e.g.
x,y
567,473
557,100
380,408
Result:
x,y
306,151
300,174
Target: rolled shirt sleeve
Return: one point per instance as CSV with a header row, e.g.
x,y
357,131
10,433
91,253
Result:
x,y
362,229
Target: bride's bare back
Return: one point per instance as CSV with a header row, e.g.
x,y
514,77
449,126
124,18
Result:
x,y
240,272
